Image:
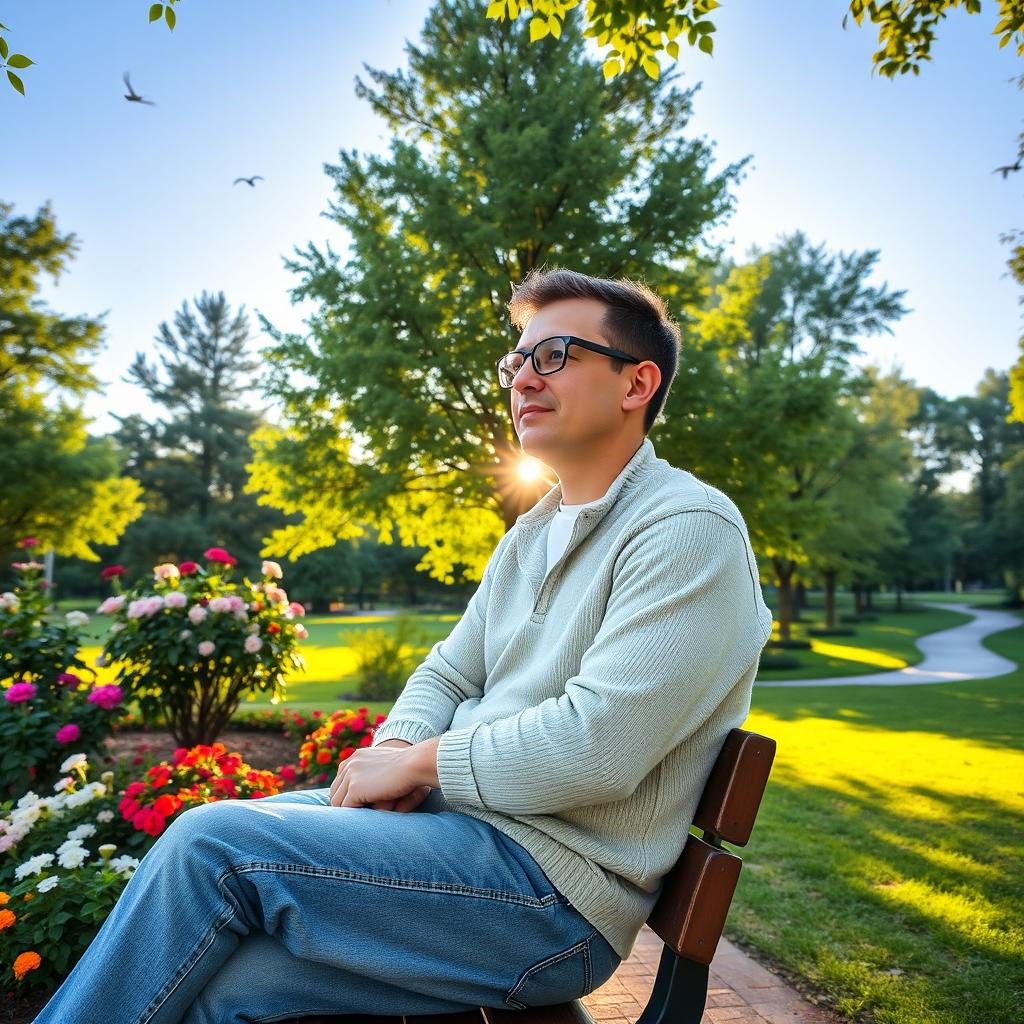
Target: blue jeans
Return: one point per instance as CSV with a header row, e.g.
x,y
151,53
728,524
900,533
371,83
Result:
x,y
269,909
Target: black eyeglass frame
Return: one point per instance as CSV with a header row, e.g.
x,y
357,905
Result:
x,y
570,340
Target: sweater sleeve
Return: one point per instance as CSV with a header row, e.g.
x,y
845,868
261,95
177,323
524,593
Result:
x,y
685,620
453,671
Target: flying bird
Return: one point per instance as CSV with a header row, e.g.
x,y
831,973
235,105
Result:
x,y
251,182
132,96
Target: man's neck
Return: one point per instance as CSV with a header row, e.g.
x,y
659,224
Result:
x,y
589,480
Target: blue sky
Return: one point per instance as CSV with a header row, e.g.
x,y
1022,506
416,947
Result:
x,y
855,161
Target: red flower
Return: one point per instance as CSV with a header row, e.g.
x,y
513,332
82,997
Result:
x,y
366,740
188,568
273,628
166,805
324,757
27,542
287,772
220,556
346,753
111,571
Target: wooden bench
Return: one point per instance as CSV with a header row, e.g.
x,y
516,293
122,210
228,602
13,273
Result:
x,y
690,913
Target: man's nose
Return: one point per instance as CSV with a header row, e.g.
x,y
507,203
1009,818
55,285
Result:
x,y
526,376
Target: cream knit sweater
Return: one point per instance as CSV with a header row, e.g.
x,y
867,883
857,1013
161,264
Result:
x,y
581,712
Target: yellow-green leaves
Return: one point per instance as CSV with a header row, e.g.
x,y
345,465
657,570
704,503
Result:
x,y
15,60
164,10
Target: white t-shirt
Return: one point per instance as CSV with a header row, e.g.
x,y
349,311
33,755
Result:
x,y
560,529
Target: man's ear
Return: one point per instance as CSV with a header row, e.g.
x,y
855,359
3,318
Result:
x,y
646,379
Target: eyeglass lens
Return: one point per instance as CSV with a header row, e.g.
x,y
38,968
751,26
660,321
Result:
x,y
548,357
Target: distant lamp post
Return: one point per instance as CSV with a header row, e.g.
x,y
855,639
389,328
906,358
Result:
x,y
48,575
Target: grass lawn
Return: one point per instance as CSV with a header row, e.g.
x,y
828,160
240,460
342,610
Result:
x,y
886,864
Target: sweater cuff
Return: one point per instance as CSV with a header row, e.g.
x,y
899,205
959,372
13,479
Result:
x,y
455,766
412,732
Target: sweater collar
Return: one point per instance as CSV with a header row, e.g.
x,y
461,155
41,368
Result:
x,y
541,513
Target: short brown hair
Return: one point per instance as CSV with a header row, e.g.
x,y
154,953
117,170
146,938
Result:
x,y
635,320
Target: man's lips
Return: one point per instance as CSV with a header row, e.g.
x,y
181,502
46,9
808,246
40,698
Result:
x,y
529,409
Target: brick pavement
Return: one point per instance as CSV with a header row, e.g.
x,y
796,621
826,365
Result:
x,y
740,991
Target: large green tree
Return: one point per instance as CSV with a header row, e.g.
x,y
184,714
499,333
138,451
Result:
x,y
766,402
59,484
190,454
504,157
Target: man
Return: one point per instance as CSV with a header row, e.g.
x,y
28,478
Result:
x,y
551,750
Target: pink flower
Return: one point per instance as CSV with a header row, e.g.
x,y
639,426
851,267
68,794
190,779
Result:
x,y
297,609
107,697
220,604
272,569
26,565
27,542
175,599
111,571
196,614
275,594
68,679
111,605
252,644
68,733
206,648
301,632
188,568
18,693
166,571
220,556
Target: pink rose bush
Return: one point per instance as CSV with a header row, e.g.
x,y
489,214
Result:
x,y
46,688
190,642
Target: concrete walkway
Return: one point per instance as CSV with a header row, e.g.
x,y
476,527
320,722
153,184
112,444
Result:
x,y
951,655
740,990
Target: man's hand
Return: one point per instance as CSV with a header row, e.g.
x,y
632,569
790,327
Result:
x,y
395,775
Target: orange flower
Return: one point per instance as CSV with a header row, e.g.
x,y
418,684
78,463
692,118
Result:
x,y
27,896
26,962
3,899
7,918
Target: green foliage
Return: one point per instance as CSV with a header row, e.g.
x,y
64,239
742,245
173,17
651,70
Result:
x,y
192,644
393,415
59,484
639,33
385,658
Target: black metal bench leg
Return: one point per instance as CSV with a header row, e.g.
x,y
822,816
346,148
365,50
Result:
x,y
680,992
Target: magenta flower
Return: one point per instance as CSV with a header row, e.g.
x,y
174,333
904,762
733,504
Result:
x,y
18,693
220,556
107,697
68,733
27,542
68,679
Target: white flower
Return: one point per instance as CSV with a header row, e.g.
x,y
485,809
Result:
x,y
252,644
167,571
124,864
300,631
105,817
47,884
68,844
33,866
85,831
175,599
75,857
63,784
98,788
81,797
73,762
196,614
116,627
77,619
206,648
272,569
253,628
106,851
28,799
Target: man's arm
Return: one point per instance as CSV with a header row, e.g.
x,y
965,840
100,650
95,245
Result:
x,y
453,671
684,622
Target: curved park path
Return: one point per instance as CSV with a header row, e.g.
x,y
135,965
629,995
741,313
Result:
x,y
950,655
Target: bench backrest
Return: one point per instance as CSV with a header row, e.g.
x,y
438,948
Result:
x,y
690,913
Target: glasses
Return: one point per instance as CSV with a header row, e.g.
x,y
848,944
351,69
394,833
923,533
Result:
x,y
551,355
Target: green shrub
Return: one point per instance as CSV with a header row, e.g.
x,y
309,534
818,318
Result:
x,y
385,658
779,661
832,631
789,645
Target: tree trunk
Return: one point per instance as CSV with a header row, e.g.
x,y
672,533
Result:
x,y
784,580
899,597
830,598
799,601
858,601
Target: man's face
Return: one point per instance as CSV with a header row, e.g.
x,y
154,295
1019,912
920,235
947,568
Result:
x,y
572,411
